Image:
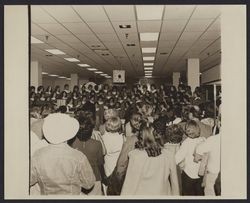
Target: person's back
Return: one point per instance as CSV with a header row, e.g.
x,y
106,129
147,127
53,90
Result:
x,y
60,169
147,175
92,149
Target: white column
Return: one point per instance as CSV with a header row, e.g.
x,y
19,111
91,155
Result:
x,y
16,112
36,74
176,79
193,73
74,80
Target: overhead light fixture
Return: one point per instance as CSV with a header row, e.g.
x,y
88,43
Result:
x,y
105,54
148,76
62,77
98,72
53,75
148,58
103,74
36,41
55,51
72,59
148,68
148,64
149,12
149,36
148,71
148,49
83,65
92,69
44,73
68,78
124,26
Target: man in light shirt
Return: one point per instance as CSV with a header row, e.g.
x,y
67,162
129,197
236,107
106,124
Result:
x,y
212,147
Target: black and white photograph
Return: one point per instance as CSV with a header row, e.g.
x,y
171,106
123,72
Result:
x,y
125,101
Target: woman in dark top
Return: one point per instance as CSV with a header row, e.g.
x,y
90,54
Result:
x,y
91,148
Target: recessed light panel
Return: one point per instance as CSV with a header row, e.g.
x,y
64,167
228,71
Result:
x,y
55,51
148,58
148,64
83,65
149,50
44,73
36,41
71,59
148,68
92,69
53,75
98,72
62,77
149,36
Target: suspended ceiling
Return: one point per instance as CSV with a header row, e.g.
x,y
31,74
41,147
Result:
x,y
92,34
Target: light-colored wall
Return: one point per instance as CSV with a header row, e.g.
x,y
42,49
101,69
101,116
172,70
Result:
x,y
211,74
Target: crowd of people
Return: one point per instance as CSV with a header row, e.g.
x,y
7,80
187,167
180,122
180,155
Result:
x,y
143,140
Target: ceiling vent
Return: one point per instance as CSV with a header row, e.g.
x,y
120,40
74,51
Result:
x,y
124,26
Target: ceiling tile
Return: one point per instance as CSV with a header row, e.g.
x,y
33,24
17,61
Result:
x,y
192,36
88,38
131,37
101,27
120,12
55,28
108,37
178,12
173,25
149,26
206,11
78,28
173,36
213,35
198,25
91,13
68,38
149,44
38,15
63,13
36,30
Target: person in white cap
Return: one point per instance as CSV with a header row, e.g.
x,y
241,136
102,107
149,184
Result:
x,y
58,168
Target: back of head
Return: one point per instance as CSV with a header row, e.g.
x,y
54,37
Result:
x,y
87,124
192,129
113,124
174,134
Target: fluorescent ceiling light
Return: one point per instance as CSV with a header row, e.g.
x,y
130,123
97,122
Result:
x,y
55,51
103,74
148,68
149,12
148,76
148,64
149,36
92,69
83,65
44,73
62,77
148,58
71,59
36,41
53,75
149,50
148,71
68,78
98,72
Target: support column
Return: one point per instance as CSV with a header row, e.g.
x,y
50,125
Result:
x,y
74,80
176,79
35,74
193,73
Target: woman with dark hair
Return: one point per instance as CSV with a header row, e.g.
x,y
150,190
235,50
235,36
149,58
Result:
x,y
148,168
91,148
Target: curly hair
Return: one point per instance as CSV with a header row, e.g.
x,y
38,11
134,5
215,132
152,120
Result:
x,y
174,134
